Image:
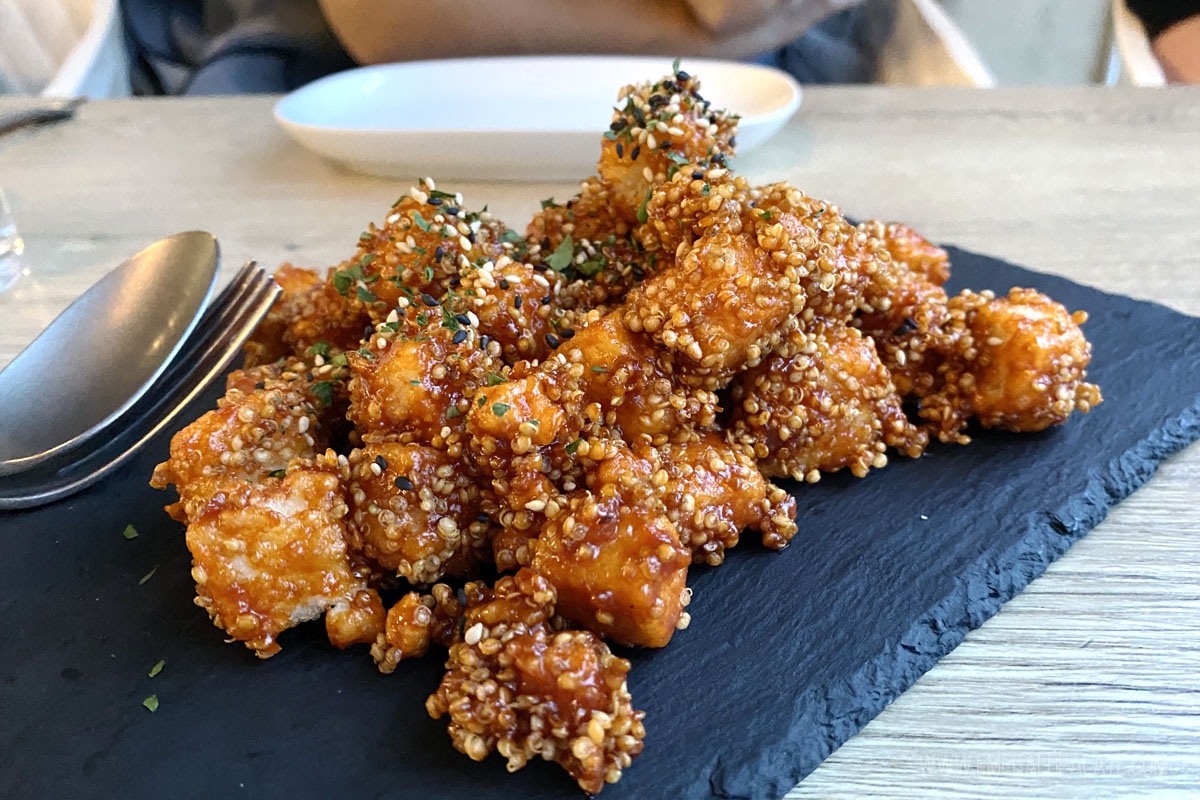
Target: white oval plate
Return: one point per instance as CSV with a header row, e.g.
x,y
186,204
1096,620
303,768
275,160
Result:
x,y
511,118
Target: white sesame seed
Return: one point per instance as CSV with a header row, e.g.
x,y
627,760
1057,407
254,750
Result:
x,y
393,219
381,343
375,468
303,424
464,243
474,634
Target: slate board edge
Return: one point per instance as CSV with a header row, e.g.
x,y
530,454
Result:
x,y
844,708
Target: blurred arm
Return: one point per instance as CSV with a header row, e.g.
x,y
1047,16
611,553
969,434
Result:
x,y
376,31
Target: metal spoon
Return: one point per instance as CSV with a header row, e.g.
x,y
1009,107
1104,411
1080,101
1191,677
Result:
x,y
104,351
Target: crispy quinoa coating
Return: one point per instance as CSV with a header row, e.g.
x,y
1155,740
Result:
x,y
1017,362
514,686
268,417
414,510
820,403
415,622
617,570
656,129
269,556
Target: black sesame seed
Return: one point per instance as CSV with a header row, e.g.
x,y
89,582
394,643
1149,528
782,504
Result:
x,y
504,284
260,385
733,141
552,340
381,462
403,483
682,76
483,342
459,337
567,333
455,280
367,331
620,150
428,300
540,267
471,237
636,150
657,100
697,175
437,254
545,243
463,319
483,517
547,299
907,326
435,201
517,301
617,125
451,211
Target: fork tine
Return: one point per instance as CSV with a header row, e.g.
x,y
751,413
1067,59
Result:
x,y
242,317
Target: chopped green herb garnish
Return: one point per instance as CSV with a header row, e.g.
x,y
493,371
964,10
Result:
x,y
157,668
765,214
573,446
599,369
641,212
441,194
675,66
429,273
449,321
366,295
482,401
364,237
511,236
277,473
817,213
549,203
421,223
453,413
590,267
367,354
338,360
495,380
500,409
422,319
561,258
415,382
319,349
705,190
148,575
151,703
323,391
130,532
678,158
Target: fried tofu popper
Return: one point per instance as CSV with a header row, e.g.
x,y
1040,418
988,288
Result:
x,y
589,409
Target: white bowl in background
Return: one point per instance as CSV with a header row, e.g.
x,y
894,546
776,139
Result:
x,y
509,118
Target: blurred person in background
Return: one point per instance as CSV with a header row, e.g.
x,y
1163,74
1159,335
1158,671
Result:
x,y
1173,27
227,46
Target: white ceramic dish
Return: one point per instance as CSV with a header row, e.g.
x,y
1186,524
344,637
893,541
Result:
x,y
512,118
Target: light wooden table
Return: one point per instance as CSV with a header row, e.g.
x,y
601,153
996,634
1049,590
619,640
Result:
x,y
1087,684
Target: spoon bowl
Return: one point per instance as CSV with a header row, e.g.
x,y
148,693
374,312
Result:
x,y
101,354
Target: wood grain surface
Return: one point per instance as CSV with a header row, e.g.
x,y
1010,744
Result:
x,y
1085,685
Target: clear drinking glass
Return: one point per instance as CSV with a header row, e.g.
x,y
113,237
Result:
x,y
11,246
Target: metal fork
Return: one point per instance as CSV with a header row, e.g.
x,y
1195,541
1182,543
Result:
x,y
213,345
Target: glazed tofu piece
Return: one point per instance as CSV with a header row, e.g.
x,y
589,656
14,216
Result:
x,y
618,570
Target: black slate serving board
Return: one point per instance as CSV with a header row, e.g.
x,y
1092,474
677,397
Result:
x,y
789,654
